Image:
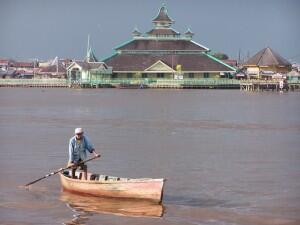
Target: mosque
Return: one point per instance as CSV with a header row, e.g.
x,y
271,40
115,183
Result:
x,y
164,53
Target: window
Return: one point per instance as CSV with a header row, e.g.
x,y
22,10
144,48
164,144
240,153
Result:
x,y
160,75
206,75
144,75
129,75
191,75
114,76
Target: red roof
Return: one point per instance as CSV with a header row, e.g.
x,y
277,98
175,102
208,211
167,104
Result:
x,y
24,64
53,69
5,62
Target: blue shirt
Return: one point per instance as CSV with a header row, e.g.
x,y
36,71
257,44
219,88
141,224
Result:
x,y
78,148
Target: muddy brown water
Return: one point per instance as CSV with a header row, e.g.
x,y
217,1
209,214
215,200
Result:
x,y
230,157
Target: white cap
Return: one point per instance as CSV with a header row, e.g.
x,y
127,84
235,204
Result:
x,y
78,131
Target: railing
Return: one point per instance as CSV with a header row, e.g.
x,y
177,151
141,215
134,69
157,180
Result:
x,y
204,81
201,83
118,81
33,82
293,81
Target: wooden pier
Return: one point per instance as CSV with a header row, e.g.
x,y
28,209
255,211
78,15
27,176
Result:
x,y
294,85
34,83
269,85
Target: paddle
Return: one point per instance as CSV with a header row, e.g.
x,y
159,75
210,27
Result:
x,y
59,170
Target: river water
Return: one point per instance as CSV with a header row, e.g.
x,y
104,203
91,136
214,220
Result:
x,y
230,157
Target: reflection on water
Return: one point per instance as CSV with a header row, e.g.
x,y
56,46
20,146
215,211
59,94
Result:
x,y
85,206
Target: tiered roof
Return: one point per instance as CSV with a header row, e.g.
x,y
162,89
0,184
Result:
x,y
164,44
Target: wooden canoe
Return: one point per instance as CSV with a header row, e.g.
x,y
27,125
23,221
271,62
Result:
x,y
114,187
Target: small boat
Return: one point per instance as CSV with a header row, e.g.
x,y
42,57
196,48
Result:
x,y
113,187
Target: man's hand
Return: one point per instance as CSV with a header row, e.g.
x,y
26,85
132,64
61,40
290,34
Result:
x,y
70,164
96,154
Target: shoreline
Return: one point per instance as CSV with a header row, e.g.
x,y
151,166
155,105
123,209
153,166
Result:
x,y
244,85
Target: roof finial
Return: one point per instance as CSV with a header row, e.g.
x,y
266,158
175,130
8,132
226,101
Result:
x,y
136,32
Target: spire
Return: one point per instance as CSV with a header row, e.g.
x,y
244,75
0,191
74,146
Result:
x,y
162,20
90,56
88,47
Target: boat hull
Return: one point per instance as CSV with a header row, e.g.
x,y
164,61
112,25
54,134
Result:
x,y
146,188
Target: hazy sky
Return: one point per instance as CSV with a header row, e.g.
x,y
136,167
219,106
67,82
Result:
x,y
45,29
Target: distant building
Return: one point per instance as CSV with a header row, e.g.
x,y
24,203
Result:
x,y
296,66
5,64
6,69
265,64
26,66
293,75
82,71
17,69
164,53
88,71
55,69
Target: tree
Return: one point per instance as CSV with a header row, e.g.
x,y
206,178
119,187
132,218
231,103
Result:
x,y
221,56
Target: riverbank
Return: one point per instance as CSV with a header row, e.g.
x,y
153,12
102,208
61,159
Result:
x,y
247,85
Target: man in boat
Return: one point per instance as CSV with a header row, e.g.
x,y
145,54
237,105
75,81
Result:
x,y
78,146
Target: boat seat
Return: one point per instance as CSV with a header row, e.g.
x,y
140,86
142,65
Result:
x,y
114,178
103,178
94,177
66,173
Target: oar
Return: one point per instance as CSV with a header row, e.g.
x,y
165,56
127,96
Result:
x,y
59,170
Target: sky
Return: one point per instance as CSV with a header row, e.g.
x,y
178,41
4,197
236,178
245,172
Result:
x,y
44,29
